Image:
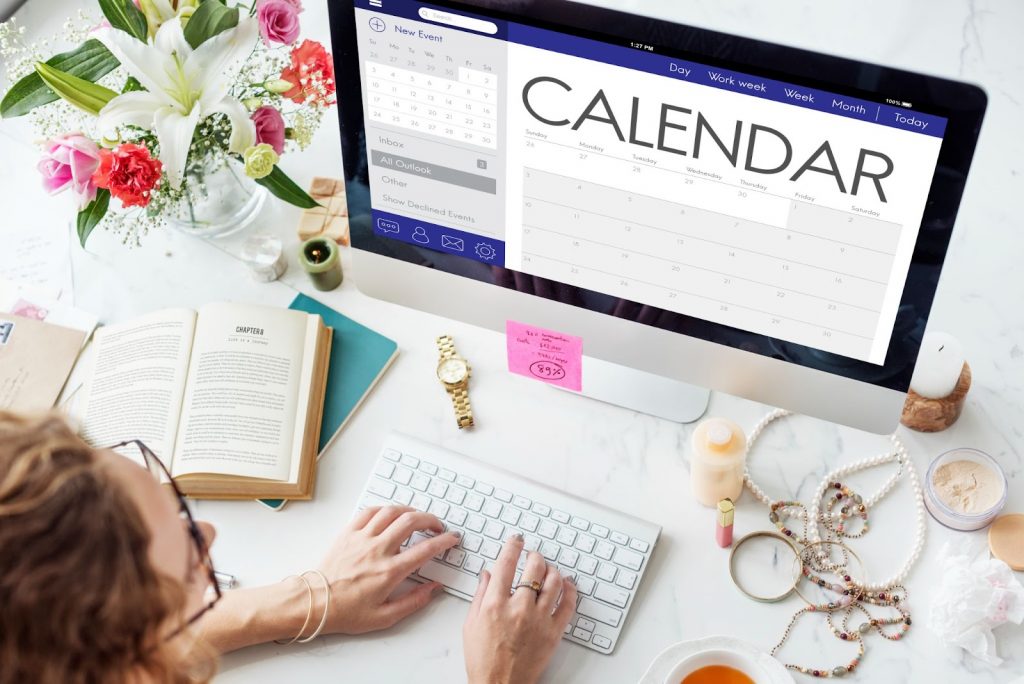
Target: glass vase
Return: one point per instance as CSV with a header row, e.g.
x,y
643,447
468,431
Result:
x,y
217,199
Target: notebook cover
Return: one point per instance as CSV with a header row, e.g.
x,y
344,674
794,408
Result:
x,y
359,357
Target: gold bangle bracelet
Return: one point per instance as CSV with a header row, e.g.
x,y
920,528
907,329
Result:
x,y
327,605
309,611
732,566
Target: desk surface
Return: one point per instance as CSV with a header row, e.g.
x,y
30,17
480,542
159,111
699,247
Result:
x,y
632,462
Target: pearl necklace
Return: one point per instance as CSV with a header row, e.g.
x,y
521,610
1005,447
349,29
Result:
x,y
814,515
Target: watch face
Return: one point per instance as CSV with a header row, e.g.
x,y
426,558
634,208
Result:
x,y
452,371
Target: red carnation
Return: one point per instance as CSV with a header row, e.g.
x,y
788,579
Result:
x,y
311,74
129,172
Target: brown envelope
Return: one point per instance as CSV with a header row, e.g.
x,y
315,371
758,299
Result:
x,y
36,359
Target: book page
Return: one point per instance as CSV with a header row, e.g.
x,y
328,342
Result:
x,y
138,380
242,393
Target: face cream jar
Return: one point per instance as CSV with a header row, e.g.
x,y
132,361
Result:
x,y
965,489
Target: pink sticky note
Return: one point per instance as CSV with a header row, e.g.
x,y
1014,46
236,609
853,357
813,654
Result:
x,y
545,355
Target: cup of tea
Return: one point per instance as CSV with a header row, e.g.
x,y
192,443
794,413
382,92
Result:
x,y
718,666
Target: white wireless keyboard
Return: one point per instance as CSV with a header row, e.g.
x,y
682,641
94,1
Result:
x,y
606,552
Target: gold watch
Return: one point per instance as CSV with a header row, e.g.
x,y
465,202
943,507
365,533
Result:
x,y
453,371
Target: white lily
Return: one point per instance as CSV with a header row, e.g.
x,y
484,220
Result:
x,y
183,87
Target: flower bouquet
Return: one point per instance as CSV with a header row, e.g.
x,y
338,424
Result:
x,y
162,96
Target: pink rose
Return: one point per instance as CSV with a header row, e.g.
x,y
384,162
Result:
x,y
279,21
71,160
269,127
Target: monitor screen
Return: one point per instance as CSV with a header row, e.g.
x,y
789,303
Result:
x,y
772,211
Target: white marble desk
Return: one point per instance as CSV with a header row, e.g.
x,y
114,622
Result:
x,y
628,461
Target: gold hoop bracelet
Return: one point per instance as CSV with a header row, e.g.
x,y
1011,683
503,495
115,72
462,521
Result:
x,y
309,611
772,535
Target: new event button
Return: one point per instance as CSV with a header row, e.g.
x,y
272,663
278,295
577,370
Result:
x,y
442,174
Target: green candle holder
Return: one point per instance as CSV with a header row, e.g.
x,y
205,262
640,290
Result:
x,y
321,259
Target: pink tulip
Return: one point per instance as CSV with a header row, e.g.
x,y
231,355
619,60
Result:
x,y
70,160
269,127
279,21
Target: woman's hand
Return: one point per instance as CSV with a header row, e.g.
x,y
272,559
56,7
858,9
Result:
x,y
364,566
511,638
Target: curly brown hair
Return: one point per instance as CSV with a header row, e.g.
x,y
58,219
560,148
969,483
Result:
x,y
80,602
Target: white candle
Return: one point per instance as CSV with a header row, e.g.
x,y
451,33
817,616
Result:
x,y
939,364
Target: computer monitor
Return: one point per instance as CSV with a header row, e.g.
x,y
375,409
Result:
x,y
697,206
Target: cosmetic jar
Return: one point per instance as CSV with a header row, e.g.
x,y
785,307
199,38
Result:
x,y
965,489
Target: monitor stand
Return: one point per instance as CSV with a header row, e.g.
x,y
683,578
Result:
x,y
643,392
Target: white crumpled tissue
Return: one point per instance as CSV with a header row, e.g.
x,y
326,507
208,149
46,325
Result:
x,y
975,595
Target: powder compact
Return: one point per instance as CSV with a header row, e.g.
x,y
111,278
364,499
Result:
x,y
965,489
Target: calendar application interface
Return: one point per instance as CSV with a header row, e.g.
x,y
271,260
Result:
x,y
769,207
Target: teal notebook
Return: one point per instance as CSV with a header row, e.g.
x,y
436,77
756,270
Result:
x,y
359,357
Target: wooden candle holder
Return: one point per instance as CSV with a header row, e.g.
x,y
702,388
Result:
x,y
933,415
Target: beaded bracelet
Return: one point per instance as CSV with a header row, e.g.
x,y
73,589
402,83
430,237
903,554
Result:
x,y
309,611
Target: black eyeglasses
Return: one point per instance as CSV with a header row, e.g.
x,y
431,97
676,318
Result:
x,y
158,470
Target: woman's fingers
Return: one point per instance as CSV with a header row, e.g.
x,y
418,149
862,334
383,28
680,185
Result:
x,y
384,517
551,590
403,606
411,520
481,590
505,567
567,606
360,519
535,570
416,555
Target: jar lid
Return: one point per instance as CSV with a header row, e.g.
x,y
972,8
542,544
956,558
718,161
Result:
x,y
1006,540
719,434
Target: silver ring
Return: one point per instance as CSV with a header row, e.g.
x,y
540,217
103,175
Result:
x,y
533,585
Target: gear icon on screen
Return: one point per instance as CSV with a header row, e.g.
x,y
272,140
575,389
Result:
x,y
485,251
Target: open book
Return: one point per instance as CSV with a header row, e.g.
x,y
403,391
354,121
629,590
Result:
x,y
229,397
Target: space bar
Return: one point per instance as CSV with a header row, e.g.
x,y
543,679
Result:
x,y
449,577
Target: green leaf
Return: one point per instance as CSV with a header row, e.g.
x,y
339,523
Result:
x,y
89,217
85,95
91,60
209,19
131,85
283,187
124,15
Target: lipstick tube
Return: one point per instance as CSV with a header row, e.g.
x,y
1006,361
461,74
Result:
x,y
723,524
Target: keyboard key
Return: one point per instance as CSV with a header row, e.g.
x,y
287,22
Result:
x,y
510,516
419,482
475,522
604,550
599,531
599,611
549,550
380,487
568,558
580,524
588,565
384,469
531,543
485,488
638,545
561,516
523,555
439,508
612,595
628,559
471,542
410,461
455,557
490,549
585,543
446,475
547,529
402,475
437,489
581,634
568,629
503,495
457,516
620,538
416,538
456,495
529,522
474,501
392,455
492,508
522,502
449,577
464,481
584,623
428,468
420,502
626,579
607,572
474,564
541,509
566,535
601,641
493,529
403,496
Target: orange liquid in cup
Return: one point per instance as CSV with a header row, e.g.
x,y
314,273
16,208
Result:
x,y
717,674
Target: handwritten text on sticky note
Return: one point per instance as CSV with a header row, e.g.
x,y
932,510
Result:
x,y
545,355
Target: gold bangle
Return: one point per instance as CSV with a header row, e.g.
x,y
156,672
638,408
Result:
x,y
732,566
327,606
309,611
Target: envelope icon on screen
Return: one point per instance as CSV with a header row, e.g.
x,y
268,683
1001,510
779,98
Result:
x,y
455,243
